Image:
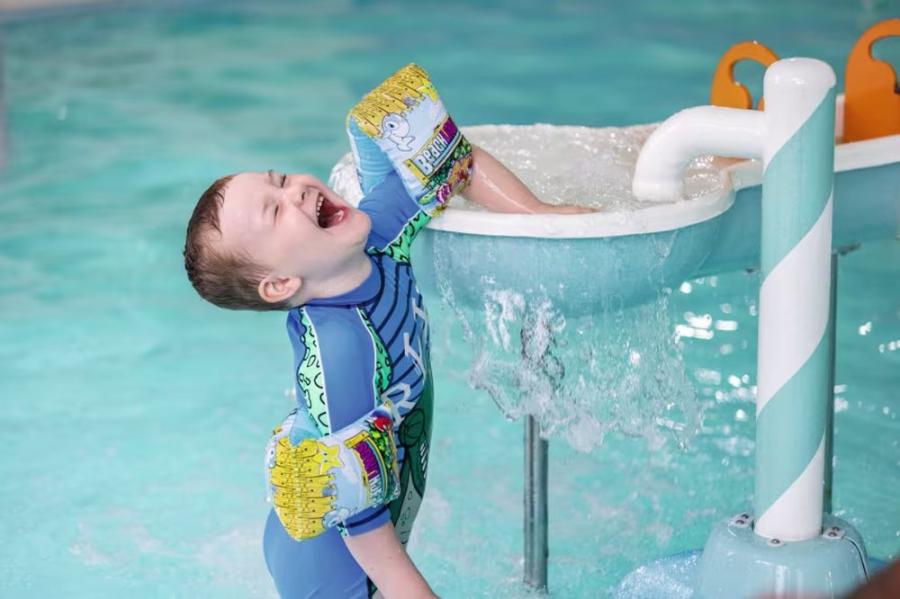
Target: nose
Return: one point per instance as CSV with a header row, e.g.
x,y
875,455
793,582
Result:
x,y
301,193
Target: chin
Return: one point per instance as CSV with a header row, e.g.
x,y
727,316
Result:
x,y
362,225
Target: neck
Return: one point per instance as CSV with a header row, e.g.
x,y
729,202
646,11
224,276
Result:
x,y
347,277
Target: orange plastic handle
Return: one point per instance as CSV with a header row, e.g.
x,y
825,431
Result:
x,y
725,90
871,93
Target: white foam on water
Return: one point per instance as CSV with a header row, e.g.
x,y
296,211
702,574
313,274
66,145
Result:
x,y
86,551
581,165
668,578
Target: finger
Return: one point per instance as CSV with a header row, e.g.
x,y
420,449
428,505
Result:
x,y
572,209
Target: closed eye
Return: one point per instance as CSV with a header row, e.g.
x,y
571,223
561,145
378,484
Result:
x,y
283,180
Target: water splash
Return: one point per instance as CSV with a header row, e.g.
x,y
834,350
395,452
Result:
x,y
618,369
590,166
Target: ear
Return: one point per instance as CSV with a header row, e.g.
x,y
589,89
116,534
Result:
x,y
275,289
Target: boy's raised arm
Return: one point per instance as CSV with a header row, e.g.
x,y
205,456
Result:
x,y
496,188
381,556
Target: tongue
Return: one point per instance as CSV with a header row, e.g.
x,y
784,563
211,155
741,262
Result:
x,y
334,219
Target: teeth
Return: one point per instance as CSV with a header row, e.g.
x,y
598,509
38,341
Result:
x,y
319,206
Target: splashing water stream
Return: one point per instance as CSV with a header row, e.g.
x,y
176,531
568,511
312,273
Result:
x,y
618,369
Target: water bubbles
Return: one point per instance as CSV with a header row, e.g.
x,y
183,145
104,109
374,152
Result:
x,y
702,321
726,325
889,346
707,376
581,165
501,308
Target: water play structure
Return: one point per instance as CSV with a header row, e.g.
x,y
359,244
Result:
x,y
795,183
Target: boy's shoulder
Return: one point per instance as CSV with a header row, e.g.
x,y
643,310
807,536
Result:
x,y
340,324
337,340
337,364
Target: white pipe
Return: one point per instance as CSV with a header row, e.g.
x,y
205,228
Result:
x,y
690,133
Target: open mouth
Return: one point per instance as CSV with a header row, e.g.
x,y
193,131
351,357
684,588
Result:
x,y
329,214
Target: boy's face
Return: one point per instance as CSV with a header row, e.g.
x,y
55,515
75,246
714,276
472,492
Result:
x,y
290,225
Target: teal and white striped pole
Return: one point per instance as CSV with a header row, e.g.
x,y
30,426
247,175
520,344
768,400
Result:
x,y
793,360
795,138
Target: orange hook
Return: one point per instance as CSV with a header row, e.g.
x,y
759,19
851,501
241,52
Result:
x,y
725,90
871,92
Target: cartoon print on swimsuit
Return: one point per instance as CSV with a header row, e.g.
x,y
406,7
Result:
x,y
381,378
395,128
399,248
413,437
311,378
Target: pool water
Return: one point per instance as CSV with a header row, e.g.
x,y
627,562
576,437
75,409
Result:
x,y
133,416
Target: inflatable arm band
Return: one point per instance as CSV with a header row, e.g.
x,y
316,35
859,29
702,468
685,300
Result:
x,y
408,123
318,483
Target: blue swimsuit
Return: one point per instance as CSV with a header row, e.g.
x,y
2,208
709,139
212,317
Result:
x,y
350,352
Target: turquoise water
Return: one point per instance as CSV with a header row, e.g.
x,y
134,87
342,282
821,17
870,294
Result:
x,y
133,416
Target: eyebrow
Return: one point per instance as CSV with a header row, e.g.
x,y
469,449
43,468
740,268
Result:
x,y
276,178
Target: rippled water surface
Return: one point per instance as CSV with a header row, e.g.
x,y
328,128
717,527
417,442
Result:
x,y
133,416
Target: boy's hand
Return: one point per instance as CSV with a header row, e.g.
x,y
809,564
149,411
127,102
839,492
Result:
x,y
563,209
317,483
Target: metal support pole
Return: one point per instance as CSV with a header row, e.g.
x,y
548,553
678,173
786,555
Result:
x,y
536,551
832,359
3,129
829,414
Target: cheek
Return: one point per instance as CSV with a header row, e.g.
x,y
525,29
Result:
x,y
293,240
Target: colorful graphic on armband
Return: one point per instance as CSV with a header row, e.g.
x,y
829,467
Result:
x,y
395,128
451,175
396,94
407,119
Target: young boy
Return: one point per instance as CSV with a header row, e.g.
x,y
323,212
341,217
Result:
x,y
358,327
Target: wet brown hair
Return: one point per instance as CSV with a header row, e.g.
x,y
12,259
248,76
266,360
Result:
x,y
227,279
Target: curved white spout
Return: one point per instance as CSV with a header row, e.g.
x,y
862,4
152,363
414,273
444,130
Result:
x,y
691,133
